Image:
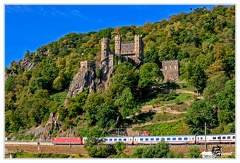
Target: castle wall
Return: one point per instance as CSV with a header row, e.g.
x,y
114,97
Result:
x,y
128,48
86,64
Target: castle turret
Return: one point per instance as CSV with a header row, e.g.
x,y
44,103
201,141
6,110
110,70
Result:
x,y
118,41
104,50
138,47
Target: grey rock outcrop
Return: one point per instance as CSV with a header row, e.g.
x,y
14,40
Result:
x,y
24,64
85,78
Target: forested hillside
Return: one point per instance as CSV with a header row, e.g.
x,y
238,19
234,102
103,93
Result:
x,y
203,41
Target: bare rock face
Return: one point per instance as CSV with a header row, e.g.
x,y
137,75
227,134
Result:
x,y
51,125
85,78
24,64
106,74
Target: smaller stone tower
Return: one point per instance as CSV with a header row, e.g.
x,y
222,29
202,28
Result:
x,y
170,70
118,41
104,51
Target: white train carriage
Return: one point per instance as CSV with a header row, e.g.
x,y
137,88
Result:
x,y
220,138
124,139
180,139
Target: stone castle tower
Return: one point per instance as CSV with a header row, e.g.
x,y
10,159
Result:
x,y
125,50
104,51
170,70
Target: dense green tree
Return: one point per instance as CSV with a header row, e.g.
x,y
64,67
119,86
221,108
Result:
x,y
150,75
229,66
194,152
124,76
138,152
106,117
160,150
91,105
197,77
126,103
214,85
76,104
120,147
226,98
199,114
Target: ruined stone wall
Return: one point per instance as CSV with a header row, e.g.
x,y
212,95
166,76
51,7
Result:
x,y
170,70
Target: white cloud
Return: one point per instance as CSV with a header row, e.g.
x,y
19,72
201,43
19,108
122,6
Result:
x,y
17,8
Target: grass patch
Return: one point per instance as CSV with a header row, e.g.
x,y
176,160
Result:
x,y
170,98
167,128
185,86
22,154
160,117
59,97
185,97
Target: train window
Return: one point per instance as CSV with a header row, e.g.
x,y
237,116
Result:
x,y
179,138
214,138
219,137
146,139
168,138
229,137
224,137
201,138
163,139
110,139
106,139
185,138
233,137
151,138
173,138
115,139
157,138
124,139
141,139
120,139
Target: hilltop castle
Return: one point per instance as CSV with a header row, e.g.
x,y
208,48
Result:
x,y
124,51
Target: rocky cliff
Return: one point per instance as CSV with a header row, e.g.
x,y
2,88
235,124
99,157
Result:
x,y
86,77
24,65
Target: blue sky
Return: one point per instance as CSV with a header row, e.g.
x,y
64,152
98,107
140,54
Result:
x,y
27,27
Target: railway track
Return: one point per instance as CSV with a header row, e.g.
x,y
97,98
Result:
x,y
48,143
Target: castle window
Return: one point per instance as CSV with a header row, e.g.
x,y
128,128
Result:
x,y
175,67
170,67
165,67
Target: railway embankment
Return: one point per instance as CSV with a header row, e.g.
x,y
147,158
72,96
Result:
x,y
78,149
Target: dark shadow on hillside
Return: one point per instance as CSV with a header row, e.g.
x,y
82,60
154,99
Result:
x,y
145,116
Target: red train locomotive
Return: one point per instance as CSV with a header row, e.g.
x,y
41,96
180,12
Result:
x,y
67,140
